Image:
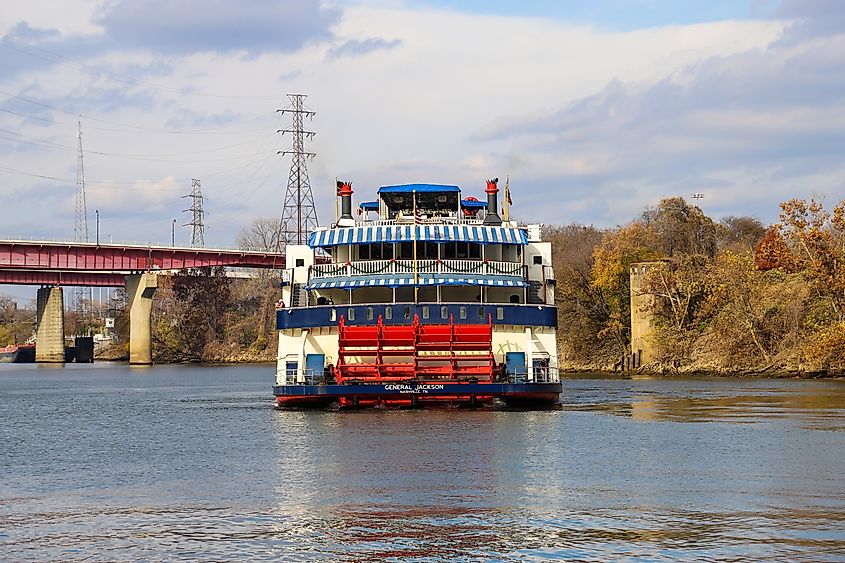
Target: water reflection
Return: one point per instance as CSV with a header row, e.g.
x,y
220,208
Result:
x,y
194,464
812,404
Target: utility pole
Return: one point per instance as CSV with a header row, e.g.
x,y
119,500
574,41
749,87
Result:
x,y
299,216
198,232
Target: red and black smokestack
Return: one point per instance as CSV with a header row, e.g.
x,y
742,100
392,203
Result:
x,y
492,217
344,190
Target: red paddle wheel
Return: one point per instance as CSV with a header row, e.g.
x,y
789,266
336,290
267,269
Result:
x,y
417,354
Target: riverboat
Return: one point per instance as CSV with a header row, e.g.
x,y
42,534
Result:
x,y
426,298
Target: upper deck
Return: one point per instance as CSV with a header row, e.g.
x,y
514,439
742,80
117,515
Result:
x,y
422,243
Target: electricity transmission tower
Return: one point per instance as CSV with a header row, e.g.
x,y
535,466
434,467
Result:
x,y
80,223
198,231
299,216
80,220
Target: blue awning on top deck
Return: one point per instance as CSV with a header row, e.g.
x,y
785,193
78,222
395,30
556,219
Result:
x,y
419,188
369,205
480,234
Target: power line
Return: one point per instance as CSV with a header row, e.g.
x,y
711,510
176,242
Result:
x,y
113,183
61,59
136,132
130,125
138,155
44,143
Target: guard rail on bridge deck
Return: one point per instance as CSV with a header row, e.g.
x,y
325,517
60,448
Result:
x,y
93,257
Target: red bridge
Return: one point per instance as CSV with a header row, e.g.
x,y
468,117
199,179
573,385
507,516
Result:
x,y
134,267
90,264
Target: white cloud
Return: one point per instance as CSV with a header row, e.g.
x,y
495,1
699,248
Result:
x,y
602,122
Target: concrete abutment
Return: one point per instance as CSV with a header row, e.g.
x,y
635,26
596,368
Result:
x,y
139,294
50,332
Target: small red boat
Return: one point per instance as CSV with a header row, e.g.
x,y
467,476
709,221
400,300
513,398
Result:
x,y
18,353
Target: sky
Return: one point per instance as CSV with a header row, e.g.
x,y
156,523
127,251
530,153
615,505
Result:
x,y
594,110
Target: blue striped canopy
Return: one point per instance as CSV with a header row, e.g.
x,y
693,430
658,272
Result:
x,y
398,280
428,233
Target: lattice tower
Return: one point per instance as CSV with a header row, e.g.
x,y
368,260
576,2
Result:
x,y
80,221
196,222
299,216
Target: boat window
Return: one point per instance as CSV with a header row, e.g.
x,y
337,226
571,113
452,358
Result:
x,y
462,251
428,250
538,260
407,312
444,312
474,251
481,313
350,314
500,313
369,313
388,313
463,312
406,250
364,252
300,262
425,311
333,315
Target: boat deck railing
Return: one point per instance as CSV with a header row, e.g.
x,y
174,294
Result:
x,y
545,374
421,220
428,266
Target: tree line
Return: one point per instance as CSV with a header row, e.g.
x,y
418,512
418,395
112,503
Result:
x,y
729,296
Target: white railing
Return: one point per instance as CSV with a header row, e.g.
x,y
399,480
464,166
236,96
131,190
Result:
x,y
423,220
445,267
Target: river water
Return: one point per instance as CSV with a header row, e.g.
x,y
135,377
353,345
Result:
x,y
107,462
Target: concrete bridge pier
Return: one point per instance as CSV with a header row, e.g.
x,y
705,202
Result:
x,y
139,293
50,334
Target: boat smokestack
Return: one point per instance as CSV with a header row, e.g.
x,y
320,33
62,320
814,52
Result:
x,y
492,217
344,190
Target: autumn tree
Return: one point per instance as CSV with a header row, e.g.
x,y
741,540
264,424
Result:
x,y
816,240
582,309
205,297
740,233
680,285
755,316
261,235
681,228
260,292
610,276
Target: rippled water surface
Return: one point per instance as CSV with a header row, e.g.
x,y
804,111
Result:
x,y
105,462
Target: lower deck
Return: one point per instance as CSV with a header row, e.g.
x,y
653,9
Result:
x,y
417,394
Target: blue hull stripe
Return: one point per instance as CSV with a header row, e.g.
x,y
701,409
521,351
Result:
x,y
419,389
403,314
